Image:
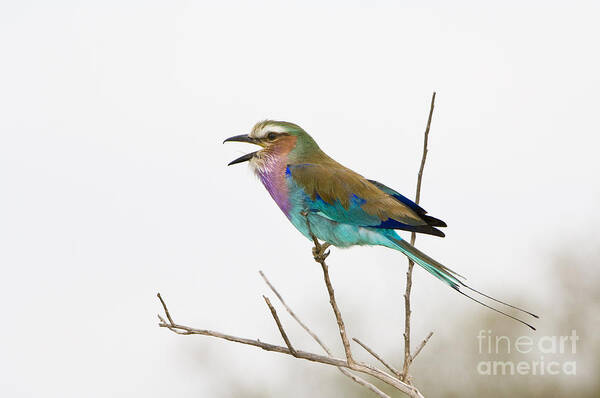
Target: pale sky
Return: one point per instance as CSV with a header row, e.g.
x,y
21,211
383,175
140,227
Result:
x,y
115,185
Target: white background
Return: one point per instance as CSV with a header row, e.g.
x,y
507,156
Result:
x,y
114,185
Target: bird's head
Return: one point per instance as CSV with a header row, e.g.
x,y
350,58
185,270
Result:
x,y
276,139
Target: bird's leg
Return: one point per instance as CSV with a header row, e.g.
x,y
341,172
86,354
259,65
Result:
x,y
318,251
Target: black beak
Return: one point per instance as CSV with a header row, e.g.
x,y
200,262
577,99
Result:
x,y
244,158
242,138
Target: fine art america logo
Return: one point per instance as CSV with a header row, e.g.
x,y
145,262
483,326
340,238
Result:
x,y
556,348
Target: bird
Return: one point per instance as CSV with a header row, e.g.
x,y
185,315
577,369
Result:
x,y
324,199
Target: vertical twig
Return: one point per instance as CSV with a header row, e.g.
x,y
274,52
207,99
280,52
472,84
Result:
x,y
407,312
320,254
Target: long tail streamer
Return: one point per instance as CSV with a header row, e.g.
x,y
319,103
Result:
x,y
451,278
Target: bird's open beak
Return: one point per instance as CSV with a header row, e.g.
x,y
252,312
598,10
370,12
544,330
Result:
x,y
242,138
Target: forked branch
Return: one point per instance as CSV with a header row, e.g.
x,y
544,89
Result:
x,y
340,363
312,334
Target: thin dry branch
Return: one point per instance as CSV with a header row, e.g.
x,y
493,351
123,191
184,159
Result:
x,y
165,308
420,347
320,258
370,351
359,367
407,312
293,314
279,326
312,334
320,255
363,383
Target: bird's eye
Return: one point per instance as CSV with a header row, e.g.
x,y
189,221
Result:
x,y
271,136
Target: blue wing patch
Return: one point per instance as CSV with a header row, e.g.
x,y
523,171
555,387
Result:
x,y
401,198
355,215
435,222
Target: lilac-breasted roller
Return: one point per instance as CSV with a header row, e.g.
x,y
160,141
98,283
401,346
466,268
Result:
x,y
339,206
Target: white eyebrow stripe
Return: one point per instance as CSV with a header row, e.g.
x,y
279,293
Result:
x,y
269,128
276,129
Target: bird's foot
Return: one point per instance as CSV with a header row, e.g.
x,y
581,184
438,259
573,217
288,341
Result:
x,y
315,252
320,253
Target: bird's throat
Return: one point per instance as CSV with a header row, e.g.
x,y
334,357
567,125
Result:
x,y
271,167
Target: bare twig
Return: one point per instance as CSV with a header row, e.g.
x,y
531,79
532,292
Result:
x,y
336,311
407,312
363,383
320,255
420,347
293,314
279,326
359,367
165,308
370,351
312,334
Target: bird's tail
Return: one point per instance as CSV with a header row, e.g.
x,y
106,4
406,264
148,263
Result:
x,y
451,278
